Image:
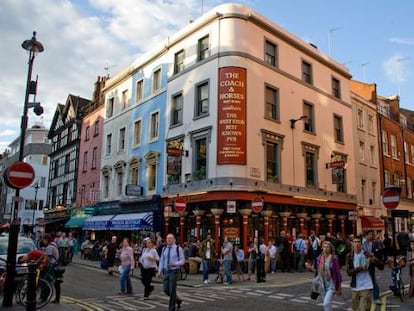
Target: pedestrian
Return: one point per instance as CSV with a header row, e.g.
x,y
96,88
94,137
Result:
x,y
272,255
148,260
403,240
260,264
207,253
127,263
227,251
411,261
239,263
327,268
171,260
369,246
253,251
52,252
110,254
282,248
300,247
360,266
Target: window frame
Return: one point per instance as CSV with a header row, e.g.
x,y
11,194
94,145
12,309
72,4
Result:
x,y
110,107
307,74
179,58
274,104
309,121
122,139
336,88
203,50
156,80
177,109
338,129
87,133
108,147
199,101
139,90
271,58
154,130
85,161
137,136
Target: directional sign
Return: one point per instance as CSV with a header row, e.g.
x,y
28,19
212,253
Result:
x,y
257,204
391,197
180,204
19,175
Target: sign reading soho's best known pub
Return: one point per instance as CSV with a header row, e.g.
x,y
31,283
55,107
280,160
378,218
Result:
x,y
231,140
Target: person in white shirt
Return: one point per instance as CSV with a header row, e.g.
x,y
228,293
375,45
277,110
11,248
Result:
x,y
272,255
148,260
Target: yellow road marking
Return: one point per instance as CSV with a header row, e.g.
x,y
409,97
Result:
x,y
85,306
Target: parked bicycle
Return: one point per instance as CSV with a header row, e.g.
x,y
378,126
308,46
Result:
x,y
397,286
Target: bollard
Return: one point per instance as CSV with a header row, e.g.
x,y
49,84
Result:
x,y
31,287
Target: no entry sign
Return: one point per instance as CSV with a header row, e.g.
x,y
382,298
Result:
x,y
19,175
391,197
257,204
180,205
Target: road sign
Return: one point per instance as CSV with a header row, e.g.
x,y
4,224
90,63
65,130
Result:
x,y
391,197
257,204
19,175
352,215
180,204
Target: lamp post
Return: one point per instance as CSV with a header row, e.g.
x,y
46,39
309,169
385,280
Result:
x,y
36,188
292,126
33,47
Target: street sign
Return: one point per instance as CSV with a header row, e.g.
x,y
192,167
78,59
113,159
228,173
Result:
x,y
352,215
180,204
391,197
257,204
19,175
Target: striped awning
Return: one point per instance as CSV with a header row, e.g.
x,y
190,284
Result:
x,y
371,223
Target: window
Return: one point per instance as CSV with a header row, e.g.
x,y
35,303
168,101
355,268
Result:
x,y
363,190
45,159
386,178
177,109
96,128
67,163
179,62
272,162
396,179
338,129
394,153
272,103
85,161
137,133
121,139
371,123
94,157
384,142
412,153
374,192
202,100
56,169
200,159
406,153
87,130
106,186
336,88
409,188
139,90
308,122
134,171
310,166
271,53
307,72
124,100
109,144
362,151
119,182
203,48
154,123
372,156
110,107
42,182
156,80
360,119
152,159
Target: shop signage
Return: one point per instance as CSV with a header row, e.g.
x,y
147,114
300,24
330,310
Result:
x,y
231,232
231,207
133,190
231,141
175,147
352,215
257,204
180,204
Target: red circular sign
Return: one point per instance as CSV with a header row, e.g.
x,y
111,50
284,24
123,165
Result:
x,y
391,198
257,204
180,205
19,175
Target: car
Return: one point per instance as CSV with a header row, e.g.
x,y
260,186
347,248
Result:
x,y
24,245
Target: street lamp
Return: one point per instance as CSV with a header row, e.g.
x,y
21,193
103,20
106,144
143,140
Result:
x,y
33,47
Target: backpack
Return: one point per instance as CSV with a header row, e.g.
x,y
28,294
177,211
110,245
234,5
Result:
x,y
177,248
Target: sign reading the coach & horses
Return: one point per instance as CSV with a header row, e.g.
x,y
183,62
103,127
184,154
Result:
x,y
231,133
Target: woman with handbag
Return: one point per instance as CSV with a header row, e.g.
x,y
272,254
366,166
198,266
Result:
x,y
126,257
148,263
328,273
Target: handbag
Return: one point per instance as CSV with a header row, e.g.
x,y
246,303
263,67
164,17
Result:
x,y
317,287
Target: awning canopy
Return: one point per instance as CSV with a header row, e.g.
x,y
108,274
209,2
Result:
x,y
77,221
134,221
98,222
371,223
47,221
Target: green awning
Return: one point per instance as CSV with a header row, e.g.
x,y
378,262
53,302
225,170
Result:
x,y
77,221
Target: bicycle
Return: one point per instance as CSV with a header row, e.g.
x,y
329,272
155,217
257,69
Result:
x,y
397,286
182,273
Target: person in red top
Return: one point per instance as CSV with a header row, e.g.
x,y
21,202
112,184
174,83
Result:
x,y
37,256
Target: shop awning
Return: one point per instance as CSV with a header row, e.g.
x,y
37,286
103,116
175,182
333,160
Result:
x,y
134,221
98,222
371,223
46,221
77,221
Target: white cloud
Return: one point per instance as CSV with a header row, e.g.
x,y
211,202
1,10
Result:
x,y
80,39
403,41
395,69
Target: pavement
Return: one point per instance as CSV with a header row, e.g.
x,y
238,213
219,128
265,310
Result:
x,y
272,280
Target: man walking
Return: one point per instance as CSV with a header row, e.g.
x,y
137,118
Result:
x,y
206,253
171,259
227,251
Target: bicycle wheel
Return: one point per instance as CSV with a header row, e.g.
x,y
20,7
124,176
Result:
x,y
183,273
44,292
401,290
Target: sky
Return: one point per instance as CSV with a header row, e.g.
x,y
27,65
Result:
x,y
84,39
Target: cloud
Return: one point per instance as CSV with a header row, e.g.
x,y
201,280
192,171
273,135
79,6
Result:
x,y
395,69
403,41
